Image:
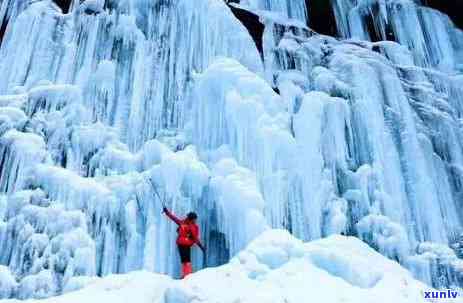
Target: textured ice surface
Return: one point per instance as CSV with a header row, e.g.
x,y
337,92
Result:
x,y
274,268
119,106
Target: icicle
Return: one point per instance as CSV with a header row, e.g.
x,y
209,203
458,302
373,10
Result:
x,y
42,241
240,204
19,153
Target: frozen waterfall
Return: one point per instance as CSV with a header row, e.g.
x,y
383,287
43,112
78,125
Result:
x,y
118,106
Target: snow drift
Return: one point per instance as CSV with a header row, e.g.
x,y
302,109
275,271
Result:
x,y
116,107
275,267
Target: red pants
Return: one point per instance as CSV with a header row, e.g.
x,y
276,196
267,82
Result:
x,y
185,258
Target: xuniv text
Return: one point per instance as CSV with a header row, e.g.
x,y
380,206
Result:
x,y
443,294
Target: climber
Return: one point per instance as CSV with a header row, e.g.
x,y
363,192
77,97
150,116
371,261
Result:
x,y
188,235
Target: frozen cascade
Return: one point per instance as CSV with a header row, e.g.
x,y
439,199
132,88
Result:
x,y
295,9
119,106
179,38
431,35
43,242
405,107
19,152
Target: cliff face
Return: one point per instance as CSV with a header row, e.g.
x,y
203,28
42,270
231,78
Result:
x,y
240,112
452,8
64,5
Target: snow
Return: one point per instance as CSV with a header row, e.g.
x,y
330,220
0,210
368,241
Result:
x,y
16,100
7,283
390,237
116,157
19,151
286,10
275,267
43,244
118,107
48,97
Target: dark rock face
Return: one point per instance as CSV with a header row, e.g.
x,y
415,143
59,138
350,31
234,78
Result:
x,y
252,24
375,18
3,29
453,8
64,5
321,17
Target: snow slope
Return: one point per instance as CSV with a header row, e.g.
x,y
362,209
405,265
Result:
x,y
119,106
274,268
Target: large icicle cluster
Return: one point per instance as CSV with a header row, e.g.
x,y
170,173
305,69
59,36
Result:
x,y
429,34
117,107
385,127
93,142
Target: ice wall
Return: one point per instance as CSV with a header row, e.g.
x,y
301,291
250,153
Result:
x,y
146,40
119,106
429,34
92,124
391,152
296,9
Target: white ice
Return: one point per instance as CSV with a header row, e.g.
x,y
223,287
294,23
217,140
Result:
x,y
116,108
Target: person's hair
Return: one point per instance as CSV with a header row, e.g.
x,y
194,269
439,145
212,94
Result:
x,y
192,216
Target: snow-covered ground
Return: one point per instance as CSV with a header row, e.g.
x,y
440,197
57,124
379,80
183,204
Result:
x,y
274,268
120,106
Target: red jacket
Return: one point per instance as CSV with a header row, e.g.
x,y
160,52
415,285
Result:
x,y
188,232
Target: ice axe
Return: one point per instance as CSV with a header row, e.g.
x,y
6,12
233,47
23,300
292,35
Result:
x,y
157,193
204,259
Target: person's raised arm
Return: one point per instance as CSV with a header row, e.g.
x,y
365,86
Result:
x,y
171,216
